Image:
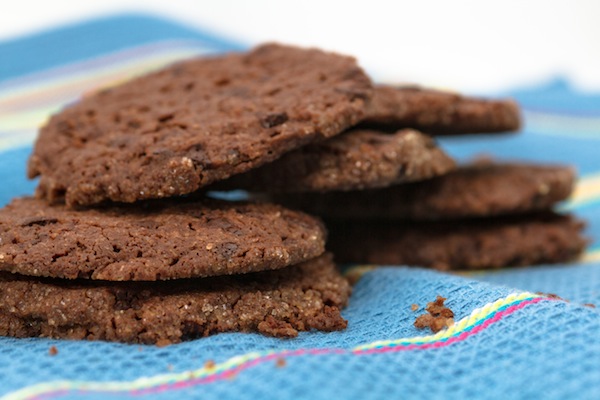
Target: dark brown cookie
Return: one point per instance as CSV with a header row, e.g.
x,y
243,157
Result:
x,y
476,190
277,303
438,112
356,159
475,244
196,122
154,241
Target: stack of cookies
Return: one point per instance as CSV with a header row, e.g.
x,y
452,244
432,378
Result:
x,y
482,215
392,197
118,244
121,242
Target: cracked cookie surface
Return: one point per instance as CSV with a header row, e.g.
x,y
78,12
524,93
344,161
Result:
x,y
155,240
176,130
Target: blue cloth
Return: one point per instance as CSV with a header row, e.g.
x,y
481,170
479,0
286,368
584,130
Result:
x,y
513,347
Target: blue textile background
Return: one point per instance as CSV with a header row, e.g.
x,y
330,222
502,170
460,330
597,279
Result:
x,y
549,349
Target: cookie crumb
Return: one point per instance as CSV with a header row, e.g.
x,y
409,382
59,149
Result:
x,y
590,305
280,363
552,296
53,351
439,316
414,307
210,364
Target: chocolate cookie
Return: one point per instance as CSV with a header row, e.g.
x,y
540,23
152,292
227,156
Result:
x,y
476,190
356,159
173,131
276,303
438,112
475,244
154,241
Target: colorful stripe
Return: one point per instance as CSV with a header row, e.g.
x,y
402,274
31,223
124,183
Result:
x,y
586,193
562,125
477,321
592,255
26,103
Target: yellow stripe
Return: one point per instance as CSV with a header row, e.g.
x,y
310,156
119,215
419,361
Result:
x,y
591,256
18,139
587,190
569,126
27,107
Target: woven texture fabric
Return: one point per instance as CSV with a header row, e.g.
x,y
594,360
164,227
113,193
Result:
x,y
508,341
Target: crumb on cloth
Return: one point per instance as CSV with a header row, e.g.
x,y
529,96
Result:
x,y
551,296
438,317
53,350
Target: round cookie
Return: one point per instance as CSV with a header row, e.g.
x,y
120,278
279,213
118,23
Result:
x,y
441,113
477,190
454,245
154,241
199,121
276,303
354,160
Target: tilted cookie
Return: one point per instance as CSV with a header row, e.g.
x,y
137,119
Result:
x,y
460,244
438,112
276,303
199,121
156,240
479,189
354,160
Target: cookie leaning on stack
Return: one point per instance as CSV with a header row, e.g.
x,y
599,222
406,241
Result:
x,y
98,273
174,131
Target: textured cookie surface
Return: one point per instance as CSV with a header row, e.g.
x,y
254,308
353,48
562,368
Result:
x,y
438,112
176,130
277,303
356,159
476,190
154,241
475,244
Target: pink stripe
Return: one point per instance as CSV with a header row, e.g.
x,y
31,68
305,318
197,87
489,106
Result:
x,y
50,395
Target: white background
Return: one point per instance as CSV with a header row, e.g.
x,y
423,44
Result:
x,y
473,46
